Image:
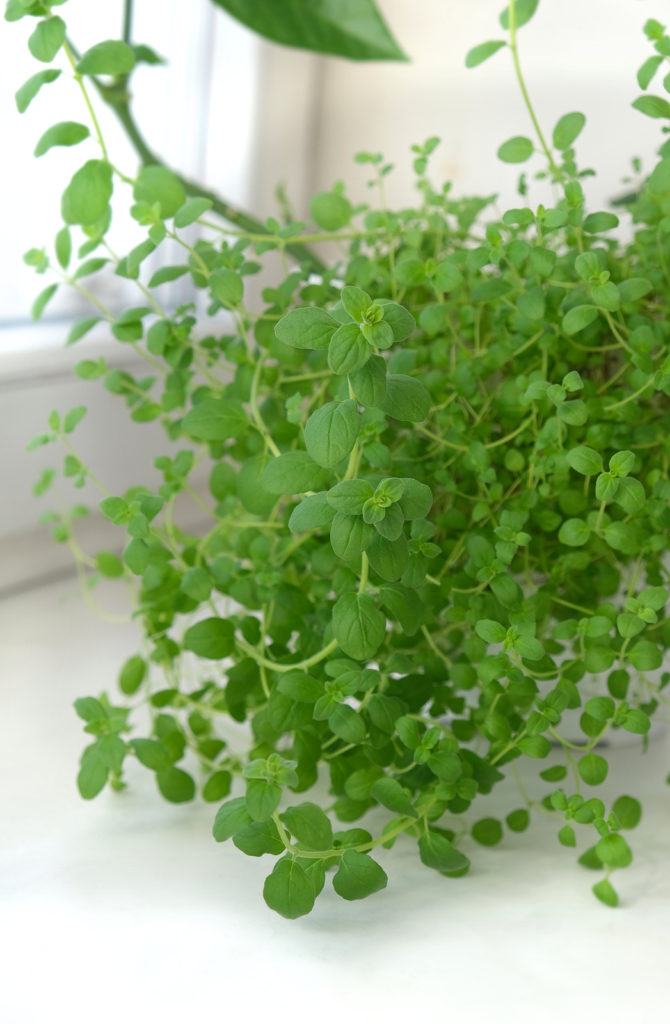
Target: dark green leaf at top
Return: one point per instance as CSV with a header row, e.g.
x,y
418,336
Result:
x,y
353,29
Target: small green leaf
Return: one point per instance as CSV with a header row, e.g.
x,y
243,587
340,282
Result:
x,y
487,831
606,893
436,851
358,876
152,754
293,473
288,890
567,129
593,769
518,821
306,327
647,71
358,626
65,133
331,432
86,198
262,799
614,851
628,810
175,785
47,39
191,210
574,533
212,638
132,675
585,460
348,350
652,106
30,88
330,210
111,57
215,419
391,794
231,817
577,318
523,12
310,826
566,836
516,150
406,398
478,54
157,184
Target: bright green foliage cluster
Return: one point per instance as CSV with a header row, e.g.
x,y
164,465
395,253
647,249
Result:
x,y
438,505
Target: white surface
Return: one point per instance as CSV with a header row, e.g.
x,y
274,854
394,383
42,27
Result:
x,y
125,908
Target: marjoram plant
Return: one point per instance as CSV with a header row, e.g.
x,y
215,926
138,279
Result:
x,y
438,498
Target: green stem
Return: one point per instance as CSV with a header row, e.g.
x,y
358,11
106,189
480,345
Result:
x,y
365,565
277,666
524,92
127,31
91,112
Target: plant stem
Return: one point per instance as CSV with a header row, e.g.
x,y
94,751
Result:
x,y
127,21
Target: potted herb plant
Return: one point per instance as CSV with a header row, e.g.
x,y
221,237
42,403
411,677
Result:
x,y
438,498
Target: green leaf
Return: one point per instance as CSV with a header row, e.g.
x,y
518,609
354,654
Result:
x,y
597,222
212,638
331,432
534,746
490,631
577,318
30,88
86,198
306,327
175,785
92,776
132,675
293,473
152,754
191,210
416,500
574,532
516,150
567,129
478,54
369,382
566,836
47,39
156,184
391,794
401,604
353,29
231,817
406,398
636,721
217,786
399,319
613,851
523,12
606,893
389,558
300,686
111,57
652,106
311,513
348,350
437,852
645,656
585,460
227,287
65,133
518,821
258,838
288,890
593,769
358,626
349,496
262,799
215,419
358,876
628,810
487,831
310,826
350,536
42,300
630,495
330,210
647,71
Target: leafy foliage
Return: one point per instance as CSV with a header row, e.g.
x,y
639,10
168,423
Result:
x,y
438,495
